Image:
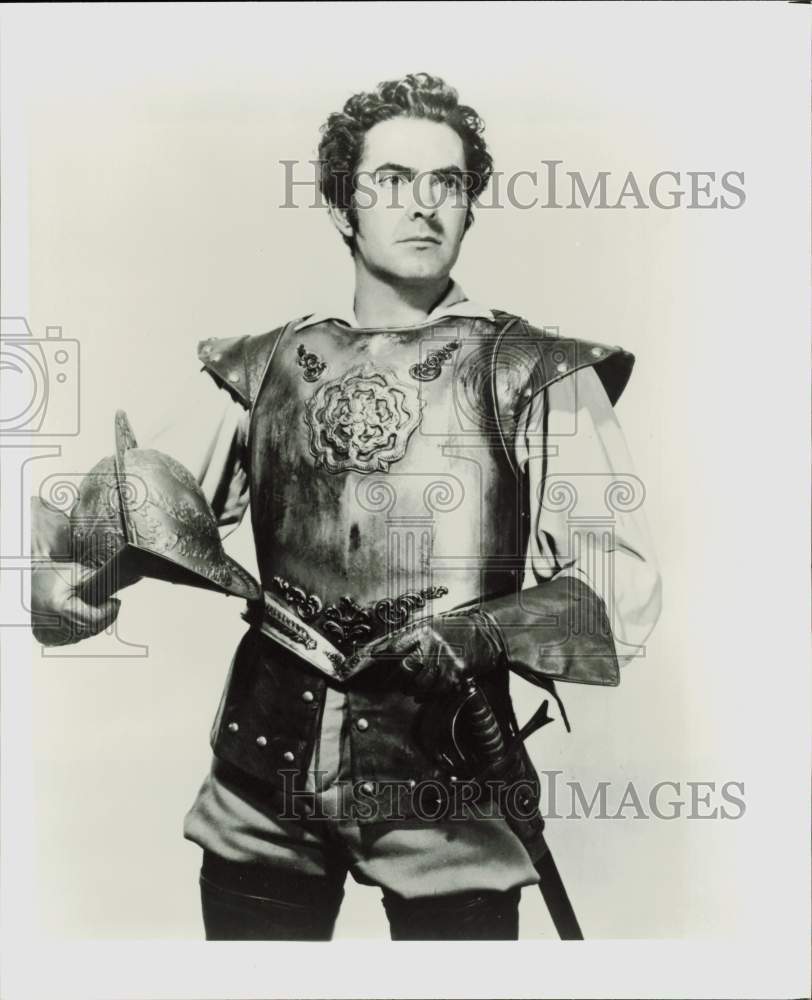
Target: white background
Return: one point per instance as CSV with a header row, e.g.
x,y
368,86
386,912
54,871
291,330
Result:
x,y
141,148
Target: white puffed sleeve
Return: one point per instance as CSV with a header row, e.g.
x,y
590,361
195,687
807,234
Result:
x,y
587,505
206,430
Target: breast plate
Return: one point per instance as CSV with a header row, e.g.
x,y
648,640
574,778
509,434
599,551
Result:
x,y
362,421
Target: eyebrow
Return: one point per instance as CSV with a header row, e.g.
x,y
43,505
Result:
x,y
399,168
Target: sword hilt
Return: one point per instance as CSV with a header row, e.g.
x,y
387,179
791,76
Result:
x,y
483,725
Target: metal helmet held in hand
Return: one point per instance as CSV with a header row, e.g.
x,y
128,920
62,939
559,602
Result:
x,y
141,513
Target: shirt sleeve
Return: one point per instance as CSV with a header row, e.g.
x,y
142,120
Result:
x,y
586,505
206,430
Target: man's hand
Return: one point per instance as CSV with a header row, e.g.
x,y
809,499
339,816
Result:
x,y
58,616
439,653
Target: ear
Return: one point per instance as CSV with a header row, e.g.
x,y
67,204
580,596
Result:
x,y
338,216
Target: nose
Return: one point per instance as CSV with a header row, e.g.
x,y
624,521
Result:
x,y
424,197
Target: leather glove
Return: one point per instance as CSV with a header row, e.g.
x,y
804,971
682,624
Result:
x,y
439,653
58,616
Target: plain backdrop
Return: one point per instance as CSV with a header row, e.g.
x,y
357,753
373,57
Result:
x,y
148,149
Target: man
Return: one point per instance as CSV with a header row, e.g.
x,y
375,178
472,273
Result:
x,y
401,460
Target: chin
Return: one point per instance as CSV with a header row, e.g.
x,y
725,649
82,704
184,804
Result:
x,y
422,271
427,276
412,270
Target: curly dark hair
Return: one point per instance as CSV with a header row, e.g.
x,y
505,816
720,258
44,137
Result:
x,y
417,95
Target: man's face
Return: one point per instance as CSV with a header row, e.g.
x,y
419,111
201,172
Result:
x,y
410,202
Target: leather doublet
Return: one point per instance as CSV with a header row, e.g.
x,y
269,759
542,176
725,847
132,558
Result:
x,y
269,717
381,474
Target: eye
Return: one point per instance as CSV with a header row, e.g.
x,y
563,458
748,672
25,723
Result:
x,y
390,180
450,181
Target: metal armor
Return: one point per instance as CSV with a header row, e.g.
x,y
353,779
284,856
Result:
x,y
141,513
383,489
380,462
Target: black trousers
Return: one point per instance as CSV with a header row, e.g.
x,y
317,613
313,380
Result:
x,y
255,902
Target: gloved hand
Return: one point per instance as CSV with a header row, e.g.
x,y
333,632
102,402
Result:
x,y
58,616
440,652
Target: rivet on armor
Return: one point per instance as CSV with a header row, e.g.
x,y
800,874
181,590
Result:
x,y
561,368
362,724
233,726
367,787
412,783
261,741
233,377
307,696
454,779
216,357
597,351
288,756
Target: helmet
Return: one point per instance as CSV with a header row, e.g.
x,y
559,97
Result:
x,y
142,513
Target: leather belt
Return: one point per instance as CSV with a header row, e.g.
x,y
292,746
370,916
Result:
x,y
278,623
327,635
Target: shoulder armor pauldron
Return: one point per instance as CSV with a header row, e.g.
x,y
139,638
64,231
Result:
x,y
238,363
557,357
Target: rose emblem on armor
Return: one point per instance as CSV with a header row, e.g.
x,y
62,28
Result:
x,y
362,421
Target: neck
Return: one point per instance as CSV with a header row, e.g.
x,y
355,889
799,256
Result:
x,y
379,303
